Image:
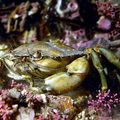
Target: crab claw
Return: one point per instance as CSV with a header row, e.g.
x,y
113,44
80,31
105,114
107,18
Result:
x,y
80,66
63,82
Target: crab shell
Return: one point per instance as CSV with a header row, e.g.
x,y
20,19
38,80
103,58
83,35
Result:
x,y
52,49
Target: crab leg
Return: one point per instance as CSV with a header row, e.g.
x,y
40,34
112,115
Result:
x,y
111,57
114,43
15,75
99,67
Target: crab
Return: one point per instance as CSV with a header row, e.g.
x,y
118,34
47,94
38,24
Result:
x,y
35,60
58,67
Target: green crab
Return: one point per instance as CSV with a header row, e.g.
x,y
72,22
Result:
x,y
35,60
57,66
